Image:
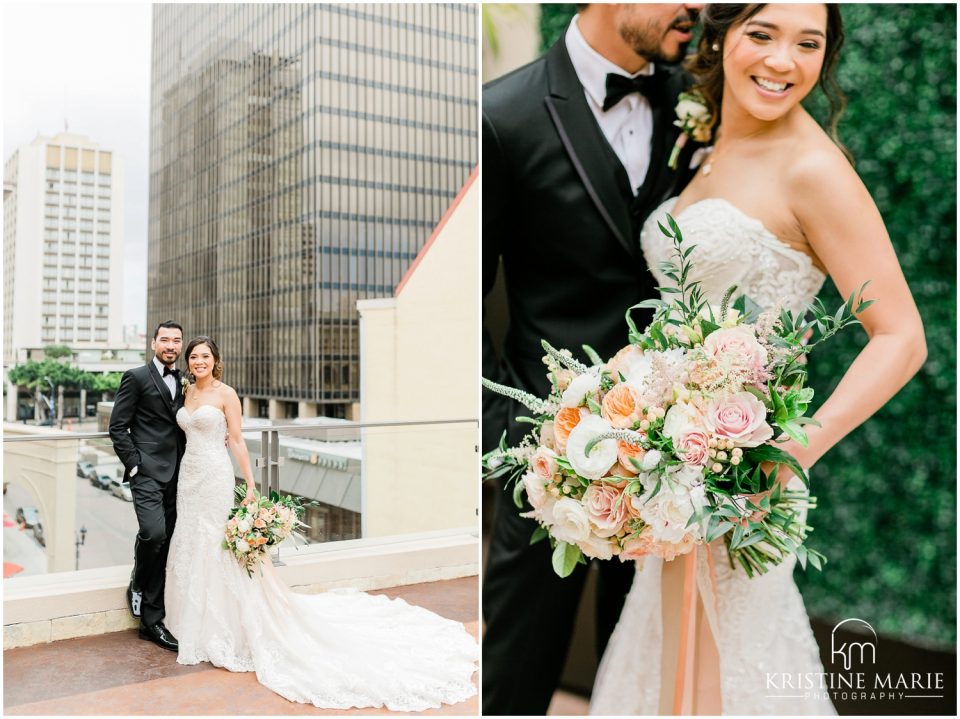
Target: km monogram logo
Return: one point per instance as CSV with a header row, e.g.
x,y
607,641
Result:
x,y
847,650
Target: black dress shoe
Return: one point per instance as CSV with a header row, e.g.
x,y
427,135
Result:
x,y
134,600
159,635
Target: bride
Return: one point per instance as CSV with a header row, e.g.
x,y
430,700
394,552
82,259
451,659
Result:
x,y
334,650
775,209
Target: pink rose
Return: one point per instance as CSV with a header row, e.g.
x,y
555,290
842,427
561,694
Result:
x,y
736,345
606,507
544,463
740,417
693,446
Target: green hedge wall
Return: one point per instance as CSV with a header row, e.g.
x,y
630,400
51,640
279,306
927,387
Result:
x,y
887,493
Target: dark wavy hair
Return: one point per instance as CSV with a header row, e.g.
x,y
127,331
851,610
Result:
x,y
214,350
707,64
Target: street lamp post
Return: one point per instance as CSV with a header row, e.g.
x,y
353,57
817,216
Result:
x,y
79,542
53,400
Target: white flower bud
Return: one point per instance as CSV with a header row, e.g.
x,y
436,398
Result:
x,y
717,468
721,456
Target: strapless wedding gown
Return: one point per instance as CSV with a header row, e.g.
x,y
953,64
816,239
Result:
x,y
763,626
335,650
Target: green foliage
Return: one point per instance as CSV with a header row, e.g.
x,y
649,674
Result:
x,y
887,493
57,351
553,21
33,374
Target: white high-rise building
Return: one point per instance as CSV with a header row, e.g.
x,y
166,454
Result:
x,y
62,247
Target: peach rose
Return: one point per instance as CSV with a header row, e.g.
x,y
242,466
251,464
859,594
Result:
x,y
621,406
259,523
544,463
740,417
606,507
668,551
566,419
638,547
626,452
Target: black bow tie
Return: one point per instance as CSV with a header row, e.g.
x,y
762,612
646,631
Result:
x,y
174,372
619,86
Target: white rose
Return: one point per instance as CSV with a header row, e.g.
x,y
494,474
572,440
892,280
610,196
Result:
x,y
693,110
682,419
687,475
546,510
667,515
597,548
638,369
651,459
570,521
602,455
244,525
579,388
242,546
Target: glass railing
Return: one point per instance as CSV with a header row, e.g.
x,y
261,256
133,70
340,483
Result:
x,y
66,508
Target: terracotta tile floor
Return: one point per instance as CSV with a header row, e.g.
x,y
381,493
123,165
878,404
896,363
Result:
x,y
118,674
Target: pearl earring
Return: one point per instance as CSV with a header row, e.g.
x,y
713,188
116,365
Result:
x,y
715,47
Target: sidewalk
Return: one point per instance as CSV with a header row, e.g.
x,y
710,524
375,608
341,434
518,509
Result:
x,y
119,674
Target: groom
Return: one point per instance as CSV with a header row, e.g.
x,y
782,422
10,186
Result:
x,y
575,152
149,442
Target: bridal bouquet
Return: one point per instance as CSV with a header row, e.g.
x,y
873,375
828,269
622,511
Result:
x,y
672,442
254,527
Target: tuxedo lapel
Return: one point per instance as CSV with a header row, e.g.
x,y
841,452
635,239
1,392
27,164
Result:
x,y
168,402
584,142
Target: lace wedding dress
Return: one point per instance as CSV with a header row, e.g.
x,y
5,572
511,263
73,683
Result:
x,y
335,650
762,627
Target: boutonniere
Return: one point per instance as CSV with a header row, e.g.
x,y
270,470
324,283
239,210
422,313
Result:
x,y
693,119
184,383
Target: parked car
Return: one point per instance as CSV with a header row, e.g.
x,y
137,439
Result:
x,y
101,481
86,470
121,489
38,534
28,517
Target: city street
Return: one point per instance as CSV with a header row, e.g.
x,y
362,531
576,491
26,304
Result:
x,y
110,522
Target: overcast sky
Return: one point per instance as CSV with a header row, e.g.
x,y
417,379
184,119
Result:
x,y
89,65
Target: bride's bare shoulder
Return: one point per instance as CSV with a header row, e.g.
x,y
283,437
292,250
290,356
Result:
x,y
226,391
820,169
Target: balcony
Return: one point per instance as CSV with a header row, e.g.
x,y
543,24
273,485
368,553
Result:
x,y
395,514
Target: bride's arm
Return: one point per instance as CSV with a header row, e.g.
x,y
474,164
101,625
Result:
x,y
845,229
234,415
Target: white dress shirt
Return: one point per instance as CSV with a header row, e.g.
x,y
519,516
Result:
x,y
628,125
169,380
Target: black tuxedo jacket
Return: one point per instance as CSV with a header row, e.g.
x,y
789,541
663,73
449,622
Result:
x,y
143,425
559,211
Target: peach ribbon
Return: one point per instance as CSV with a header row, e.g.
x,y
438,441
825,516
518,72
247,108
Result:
x,y
690,665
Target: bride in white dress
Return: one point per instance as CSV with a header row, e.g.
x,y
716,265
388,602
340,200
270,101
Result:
x,y
335,650
775,209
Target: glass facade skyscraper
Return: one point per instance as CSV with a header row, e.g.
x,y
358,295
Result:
x,y
300,156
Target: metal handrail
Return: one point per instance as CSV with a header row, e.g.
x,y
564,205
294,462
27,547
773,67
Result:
x,y
256,428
